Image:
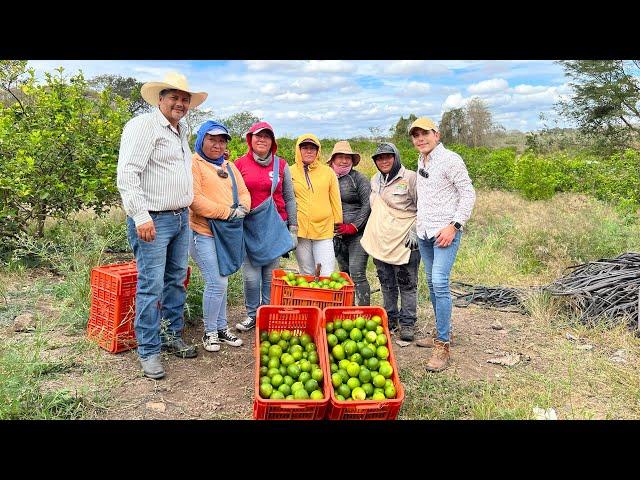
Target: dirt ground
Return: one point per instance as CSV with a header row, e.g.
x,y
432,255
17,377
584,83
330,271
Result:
x,y
219,385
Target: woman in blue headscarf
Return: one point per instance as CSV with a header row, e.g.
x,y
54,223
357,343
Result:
x,y
213,199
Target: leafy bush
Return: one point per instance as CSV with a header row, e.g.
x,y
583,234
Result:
x,y
59,148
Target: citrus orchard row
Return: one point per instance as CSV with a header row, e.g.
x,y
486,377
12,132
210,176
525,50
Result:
x,y
289,366
358,358
334,282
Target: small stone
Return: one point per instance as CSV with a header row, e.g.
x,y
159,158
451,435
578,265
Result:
x,y
488,350
571,337
24,323
508,360
402,343
619,353
617,359
585,347
497,325
542,414
157,406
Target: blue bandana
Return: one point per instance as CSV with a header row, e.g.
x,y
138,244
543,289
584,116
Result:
x,y
202,131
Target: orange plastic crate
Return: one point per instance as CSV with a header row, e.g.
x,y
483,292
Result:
x,y
112,312
284,294
364,409
299,320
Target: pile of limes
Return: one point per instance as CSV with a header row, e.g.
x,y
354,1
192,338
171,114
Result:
x,y
358,354
289,368
334,282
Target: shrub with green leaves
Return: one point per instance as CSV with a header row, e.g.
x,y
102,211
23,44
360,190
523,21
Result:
x,y
59,147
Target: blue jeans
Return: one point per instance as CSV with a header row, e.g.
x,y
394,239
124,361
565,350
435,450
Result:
x,y
257,282
214,295
162,270
438,262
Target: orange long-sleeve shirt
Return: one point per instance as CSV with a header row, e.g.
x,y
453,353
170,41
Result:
x,y
213,195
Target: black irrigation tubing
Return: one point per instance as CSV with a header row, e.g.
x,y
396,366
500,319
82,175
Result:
x,y
603,290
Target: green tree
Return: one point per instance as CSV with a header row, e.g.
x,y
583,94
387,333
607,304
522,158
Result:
x,y
59,149
239,123
400,130
127,87
605,99
472,125
454,127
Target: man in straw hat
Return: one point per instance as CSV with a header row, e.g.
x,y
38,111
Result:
x,y
355,189
156,185
445,201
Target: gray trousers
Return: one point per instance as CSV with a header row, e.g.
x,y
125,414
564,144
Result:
x,y
402,280
353,259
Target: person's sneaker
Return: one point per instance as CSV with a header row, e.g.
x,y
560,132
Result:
x,y
211,342
179,348
440,357
227,337
246,325
406,333
152,366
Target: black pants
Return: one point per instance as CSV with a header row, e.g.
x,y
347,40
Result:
x,y
353,259
402,280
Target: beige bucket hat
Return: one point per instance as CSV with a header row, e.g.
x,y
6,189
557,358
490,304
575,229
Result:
x,y
343,147
151,90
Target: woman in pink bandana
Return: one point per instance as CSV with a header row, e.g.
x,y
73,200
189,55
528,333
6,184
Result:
x,y
355,189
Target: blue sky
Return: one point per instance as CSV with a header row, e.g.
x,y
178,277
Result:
x,y
345,98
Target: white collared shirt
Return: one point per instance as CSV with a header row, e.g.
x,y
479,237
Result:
x,y
154,166
446,196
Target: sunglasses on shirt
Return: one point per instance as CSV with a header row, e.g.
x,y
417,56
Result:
x,y
423,173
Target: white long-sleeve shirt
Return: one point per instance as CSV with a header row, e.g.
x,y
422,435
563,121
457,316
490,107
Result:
x,y
154,166
446,196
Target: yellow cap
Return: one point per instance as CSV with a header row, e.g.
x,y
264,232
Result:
x,y
425,124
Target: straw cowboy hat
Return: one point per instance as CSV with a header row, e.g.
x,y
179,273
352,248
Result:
x,y
151,90
343,147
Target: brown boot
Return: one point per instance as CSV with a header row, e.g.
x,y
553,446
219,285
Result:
x,y
428,342
440,357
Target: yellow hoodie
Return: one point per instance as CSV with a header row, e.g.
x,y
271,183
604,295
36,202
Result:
x,y
319,205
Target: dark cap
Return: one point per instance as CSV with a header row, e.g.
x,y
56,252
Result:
x,y
383,148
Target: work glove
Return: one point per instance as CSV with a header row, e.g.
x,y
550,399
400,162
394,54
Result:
x,y
293,230
345,229
411,240
237,213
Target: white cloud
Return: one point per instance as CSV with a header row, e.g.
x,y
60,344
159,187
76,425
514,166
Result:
x,y
292,97
528,89
312,84
488,86
454,101
329,66
415,89
269,89
415,67
271,65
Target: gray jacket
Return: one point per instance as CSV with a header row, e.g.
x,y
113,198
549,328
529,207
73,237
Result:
x,y
355,189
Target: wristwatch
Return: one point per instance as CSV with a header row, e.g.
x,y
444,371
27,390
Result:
x,y
456,225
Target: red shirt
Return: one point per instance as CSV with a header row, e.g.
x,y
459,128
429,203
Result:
x,y
258,180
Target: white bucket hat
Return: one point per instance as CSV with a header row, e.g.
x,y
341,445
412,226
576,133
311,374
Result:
x,y
151,90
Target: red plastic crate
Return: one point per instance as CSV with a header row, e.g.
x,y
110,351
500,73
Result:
x,y
284,294
112,312
364,409
299,320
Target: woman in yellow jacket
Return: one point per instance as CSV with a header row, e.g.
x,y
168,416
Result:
x,y
319,207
